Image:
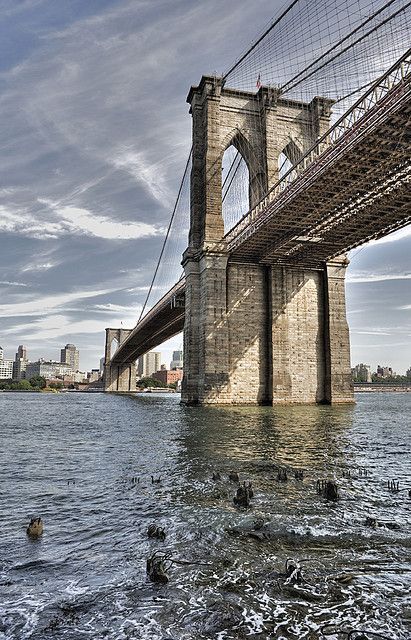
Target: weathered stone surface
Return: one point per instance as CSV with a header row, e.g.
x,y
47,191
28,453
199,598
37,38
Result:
x,y
118,377
256,334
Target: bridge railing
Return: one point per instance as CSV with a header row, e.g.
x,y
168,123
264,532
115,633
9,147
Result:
x,y
398,73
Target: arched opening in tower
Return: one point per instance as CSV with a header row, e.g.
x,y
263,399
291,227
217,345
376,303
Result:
x,y
284,165
113,346
235,187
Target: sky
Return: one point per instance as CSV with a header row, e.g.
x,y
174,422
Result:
x,y
95,135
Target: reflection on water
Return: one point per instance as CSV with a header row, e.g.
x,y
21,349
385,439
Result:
x,y
84,463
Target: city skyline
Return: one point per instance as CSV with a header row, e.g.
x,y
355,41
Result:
x,y
95,155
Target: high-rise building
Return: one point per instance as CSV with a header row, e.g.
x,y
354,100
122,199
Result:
x,y
20,363
70,355
6,367
177,361
148,364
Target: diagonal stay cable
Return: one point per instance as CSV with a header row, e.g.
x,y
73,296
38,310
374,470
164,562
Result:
x,y
286,88
260,39
337,44
167,234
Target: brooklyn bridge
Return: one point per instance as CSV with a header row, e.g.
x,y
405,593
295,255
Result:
x,y
291,167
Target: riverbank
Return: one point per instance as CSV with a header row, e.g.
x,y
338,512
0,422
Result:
x,y
376,388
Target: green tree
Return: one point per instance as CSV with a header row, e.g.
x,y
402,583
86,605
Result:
x,y
24,385
144,383
56,385
38,382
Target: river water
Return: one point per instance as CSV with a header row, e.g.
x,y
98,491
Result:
x,y
84,463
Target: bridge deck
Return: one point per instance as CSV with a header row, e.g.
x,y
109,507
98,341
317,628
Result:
x,y
162,322
356,190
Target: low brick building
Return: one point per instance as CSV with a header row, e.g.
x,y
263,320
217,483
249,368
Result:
x,y
168,377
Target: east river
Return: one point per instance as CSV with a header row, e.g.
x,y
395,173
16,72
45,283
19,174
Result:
x,y
84,463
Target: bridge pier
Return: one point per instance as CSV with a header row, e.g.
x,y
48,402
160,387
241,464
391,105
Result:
x,y
118,377
258,334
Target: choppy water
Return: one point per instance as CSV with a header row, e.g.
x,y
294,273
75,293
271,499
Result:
x,y
86,577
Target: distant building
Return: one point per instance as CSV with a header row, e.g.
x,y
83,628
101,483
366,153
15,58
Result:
x,y
20,363
177,361
102,361
385,372
361,373
168,377
6,367
408,373
48,369
93,375
148,364
70,355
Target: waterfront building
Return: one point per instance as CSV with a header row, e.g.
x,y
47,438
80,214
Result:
x,y
93,375
70,355
177,361
168,377
48,369
148,364
20,363
102,360
6,367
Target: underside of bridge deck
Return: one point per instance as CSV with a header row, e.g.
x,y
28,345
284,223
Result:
x,y
356,191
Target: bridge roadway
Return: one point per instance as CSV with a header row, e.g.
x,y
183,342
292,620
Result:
x,y
163,321
349,192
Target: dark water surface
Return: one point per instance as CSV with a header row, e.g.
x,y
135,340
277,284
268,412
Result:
x,y
86,576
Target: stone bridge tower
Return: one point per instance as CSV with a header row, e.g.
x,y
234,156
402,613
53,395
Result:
x,y
256,334
118,377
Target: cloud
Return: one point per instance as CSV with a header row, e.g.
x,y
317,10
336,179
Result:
x,y
117,308
79,220
377,277
56,326
6,283
377,332
42,306
73,221
39,266
401,234
149,174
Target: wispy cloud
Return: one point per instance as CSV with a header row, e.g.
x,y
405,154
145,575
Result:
x,y
83,221
38,266
401,234
377,277
65,220
377,332
6,283
150,175
46,304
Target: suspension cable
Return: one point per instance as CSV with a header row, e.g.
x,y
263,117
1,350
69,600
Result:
x,y
270,28
286,88
167,234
